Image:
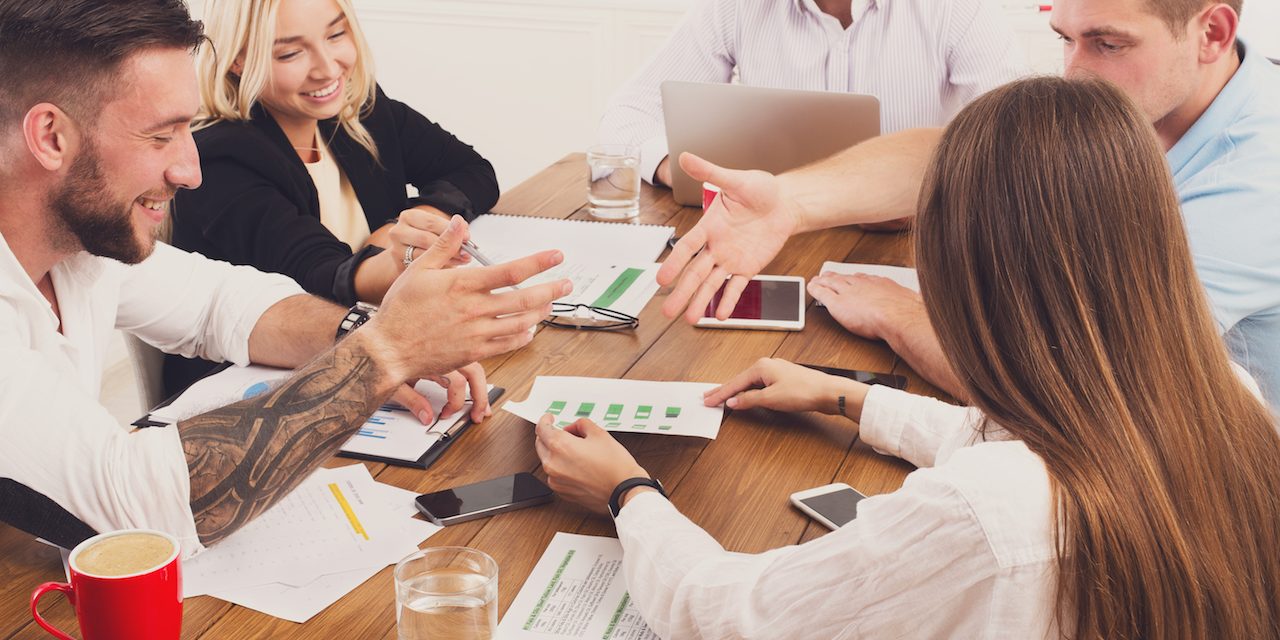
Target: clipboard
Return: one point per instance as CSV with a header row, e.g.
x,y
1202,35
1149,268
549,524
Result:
x,y
429,457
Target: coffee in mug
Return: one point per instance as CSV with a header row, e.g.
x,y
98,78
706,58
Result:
x,y
124,554
124,584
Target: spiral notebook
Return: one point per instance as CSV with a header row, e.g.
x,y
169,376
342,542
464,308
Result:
x,y
505,237
599,256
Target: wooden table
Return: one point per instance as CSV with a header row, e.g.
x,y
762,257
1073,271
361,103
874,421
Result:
x,y
736,486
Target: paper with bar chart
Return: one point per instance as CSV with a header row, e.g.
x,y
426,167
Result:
x,y
631,406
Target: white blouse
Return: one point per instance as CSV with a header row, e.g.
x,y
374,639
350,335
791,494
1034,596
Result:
x,y
340,209
963,550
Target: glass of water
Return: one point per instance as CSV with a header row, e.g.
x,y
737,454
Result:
x,y
447,593
614,191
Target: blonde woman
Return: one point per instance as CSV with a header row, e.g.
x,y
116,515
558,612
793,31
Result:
x,y
1116,478
306,160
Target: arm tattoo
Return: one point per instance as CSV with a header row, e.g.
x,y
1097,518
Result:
x,y
245,457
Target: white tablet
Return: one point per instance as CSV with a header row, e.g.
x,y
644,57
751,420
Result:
x,y
768,302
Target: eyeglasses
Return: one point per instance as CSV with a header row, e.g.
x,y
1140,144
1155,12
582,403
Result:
x,y
587,317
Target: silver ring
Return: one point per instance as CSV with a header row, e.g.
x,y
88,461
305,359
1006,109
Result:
x,y
408,255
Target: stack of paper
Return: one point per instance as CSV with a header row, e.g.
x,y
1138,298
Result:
x,y
337,529
633,406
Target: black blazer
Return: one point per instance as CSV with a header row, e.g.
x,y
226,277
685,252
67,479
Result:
x,y
258,205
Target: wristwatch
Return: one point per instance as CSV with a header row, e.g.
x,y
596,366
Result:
x,y
356,316
629,484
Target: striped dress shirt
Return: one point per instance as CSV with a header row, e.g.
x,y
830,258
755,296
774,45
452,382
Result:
x,y
923,59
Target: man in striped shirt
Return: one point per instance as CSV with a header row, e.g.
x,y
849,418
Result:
x,y
923,59
1212,101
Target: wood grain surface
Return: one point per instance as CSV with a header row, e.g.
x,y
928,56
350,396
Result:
x,y
736,486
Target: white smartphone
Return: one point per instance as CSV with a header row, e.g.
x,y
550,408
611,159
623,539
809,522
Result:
x,y
834,505
768,302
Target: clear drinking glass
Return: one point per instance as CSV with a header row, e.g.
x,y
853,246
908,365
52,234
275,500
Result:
x,y
614,191
447,593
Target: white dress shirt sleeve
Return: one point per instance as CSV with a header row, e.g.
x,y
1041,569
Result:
x,y
700,50
59,441
983,52
878,576
187,304
920,430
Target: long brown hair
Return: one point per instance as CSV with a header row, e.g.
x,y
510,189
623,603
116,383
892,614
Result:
x,y
1055,269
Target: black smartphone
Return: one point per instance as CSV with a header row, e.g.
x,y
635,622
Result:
x,y
483,499
865,377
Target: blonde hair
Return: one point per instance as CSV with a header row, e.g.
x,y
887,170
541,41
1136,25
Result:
x,y
248,28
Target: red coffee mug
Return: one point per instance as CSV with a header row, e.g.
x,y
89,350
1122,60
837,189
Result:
x,y
141,606
709,193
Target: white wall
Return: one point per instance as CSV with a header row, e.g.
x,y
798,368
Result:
x,y
525,81
1260,26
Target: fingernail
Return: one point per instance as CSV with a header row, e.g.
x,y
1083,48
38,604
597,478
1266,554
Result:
x,y
566,287
558,256
731,403
455,223
424,417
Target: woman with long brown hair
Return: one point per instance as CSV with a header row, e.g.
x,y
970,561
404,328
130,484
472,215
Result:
x,y
1117,476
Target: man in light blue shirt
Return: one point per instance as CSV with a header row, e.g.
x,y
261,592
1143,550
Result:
x,y
1215,106
1226,168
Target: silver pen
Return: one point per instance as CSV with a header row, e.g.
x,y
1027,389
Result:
x,y
472,250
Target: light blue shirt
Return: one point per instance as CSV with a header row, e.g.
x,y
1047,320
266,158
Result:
x,y
1227,172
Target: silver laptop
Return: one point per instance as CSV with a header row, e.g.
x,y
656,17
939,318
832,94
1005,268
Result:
x,y
742,127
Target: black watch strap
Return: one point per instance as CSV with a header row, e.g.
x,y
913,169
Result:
x,y
356,316
629,484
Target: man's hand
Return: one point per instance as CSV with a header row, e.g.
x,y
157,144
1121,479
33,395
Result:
x,y
738,236
864,304
456,384
433,321
779,385
583,462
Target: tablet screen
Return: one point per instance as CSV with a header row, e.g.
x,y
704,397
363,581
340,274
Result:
x,y
777,300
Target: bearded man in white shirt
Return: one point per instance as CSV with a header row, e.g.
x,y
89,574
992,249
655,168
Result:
x,y
923,59
94,142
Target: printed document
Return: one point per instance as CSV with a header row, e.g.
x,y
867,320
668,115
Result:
x,y
337,520
300,603
631,406
577,590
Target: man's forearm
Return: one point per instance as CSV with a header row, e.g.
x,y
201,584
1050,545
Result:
x,y
911,336
873,181
294,331
245,457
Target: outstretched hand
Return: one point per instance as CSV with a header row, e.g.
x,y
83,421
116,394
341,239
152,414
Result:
x,y
737,237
